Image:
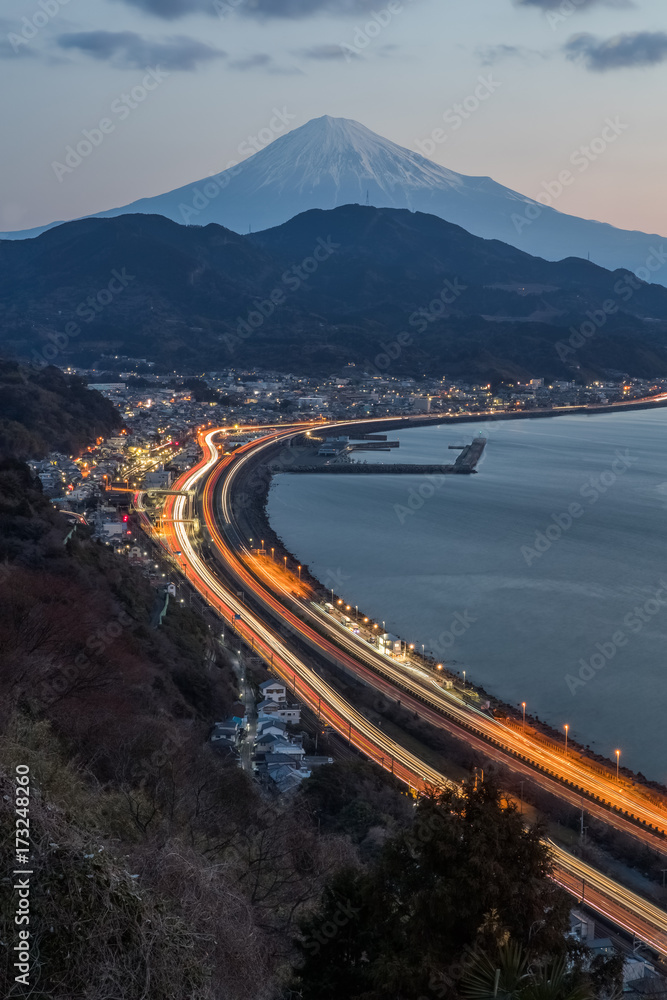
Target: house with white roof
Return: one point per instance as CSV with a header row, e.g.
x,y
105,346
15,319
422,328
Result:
x,y
273,690
279,710
278,744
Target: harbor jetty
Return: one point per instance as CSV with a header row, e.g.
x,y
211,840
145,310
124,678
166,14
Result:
x,y
470,455
465,465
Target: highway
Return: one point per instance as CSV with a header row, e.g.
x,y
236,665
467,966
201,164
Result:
x,y
617,904
305,683
338,644
613,901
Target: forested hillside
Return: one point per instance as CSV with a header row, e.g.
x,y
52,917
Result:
x,y
322,290
44,410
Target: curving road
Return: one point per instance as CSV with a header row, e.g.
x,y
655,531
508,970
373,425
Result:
x,y
568,772
622,907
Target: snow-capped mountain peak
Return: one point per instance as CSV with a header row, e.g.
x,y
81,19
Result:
x,y
330,162
348,155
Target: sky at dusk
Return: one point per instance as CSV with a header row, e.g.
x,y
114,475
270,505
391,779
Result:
x,y
555,70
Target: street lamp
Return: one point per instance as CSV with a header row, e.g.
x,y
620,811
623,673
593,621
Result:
x,y
618,764
523,706
567,729
464,678
273,553
300,575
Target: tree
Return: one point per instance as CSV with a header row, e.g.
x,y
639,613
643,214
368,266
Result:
x,y
511,976
606,975
465,876
354,797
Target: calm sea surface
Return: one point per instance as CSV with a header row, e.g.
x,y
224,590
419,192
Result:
x,y
553,609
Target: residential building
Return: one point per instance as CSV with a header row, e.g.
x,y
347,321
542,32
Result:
x,y
274,690
280,710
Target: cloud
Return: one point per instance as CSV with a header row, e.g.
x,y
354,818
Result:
x,y
171,9
128,50
490,55
641,48
14,45
16,41
306,8
580,4
260,60
287,71
328,52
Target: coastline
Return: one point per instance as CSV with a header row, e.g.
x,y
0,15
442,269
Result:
x,y
539,413
254,494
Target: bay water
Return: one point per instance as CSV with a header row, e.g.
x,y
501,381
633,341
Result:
x,y
543,576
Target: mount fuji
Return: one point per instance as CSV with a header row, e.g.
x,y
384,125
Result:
x,y
330,162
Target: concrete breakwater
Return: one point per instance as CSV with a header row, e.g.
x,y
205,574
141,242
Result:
x,y
465,465
374,469
470,456
373,445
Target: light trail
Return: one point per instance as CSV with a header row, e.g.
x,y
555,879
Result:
x,y
617,904
549,760
304,682
611,900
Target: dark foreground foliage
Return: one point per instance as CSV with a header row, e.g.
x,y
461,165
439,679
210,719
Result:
x,y
159,870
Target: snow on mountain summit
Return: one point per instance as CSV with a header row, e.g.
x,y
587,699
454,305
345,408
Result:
x,y
329,162
345,154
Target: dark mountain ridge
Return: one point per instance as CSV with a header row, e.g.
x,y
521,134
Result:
x,y
330,162
324,289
